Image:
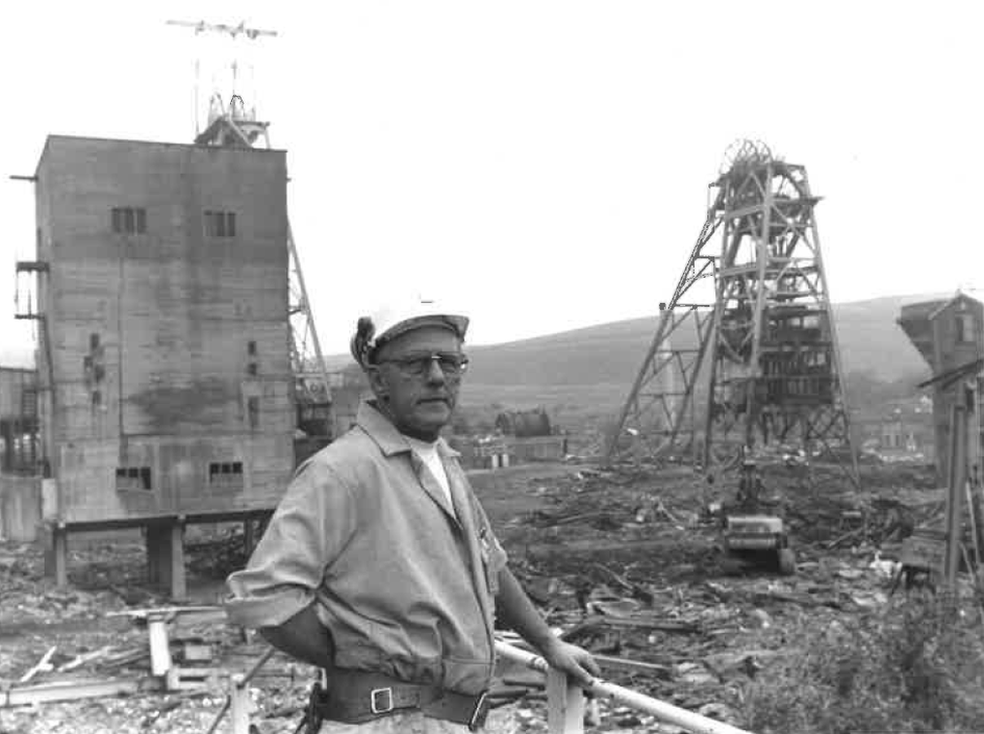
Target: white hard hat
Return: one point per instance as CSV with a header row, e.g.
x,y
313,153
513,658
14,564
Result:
x,y
399,317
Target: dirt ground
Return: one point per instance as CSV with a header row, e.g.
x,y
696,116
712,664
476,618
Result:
x,y
625,563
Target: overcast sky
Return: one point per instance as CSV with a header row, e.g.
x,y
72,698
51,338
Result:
x,y
541,164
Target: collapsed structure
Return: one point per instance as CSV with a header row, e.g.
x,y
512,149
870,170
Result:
x,y
745,352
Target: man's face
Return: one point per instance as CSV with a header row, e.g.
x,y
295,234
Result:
x,y
419,401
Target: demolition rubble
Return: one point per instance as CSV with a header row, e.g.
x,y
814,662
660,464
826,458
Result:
x,y
626,563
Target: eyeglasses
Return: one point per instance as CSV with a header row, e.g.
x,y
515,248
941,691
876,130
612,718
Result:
x,y
417,365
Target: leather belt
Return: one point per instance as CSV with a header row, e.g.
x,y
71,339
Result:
x,y
355,697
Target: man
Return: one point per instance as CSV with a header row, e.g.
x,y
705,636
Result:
x,y
380,566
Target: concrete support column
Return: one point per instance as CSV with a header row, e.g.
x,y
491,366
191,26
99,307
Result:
x,y
165,557
152,534
56,553
179,588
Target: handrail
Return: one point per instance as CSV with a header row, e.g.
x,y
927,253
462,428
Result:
x,y
600,688
565,699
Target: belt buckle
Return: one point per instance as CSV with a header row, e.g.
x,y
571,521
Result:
x,y
480,712
377,709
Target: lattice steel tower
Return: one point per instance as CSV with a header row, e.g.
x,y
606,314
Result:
x,y
754,359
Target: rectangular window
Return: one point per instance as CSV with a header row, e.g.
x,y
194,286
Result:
x,y
218,468
129,220
225,474
251,348
220,224
133,477
965,328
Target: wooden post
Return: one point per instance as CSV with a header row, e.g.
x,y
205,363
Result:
x,y
249,537
957,474
160,651
565,704
239,704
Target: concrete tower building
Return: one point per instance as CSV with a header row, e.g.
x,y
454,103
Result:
x,y
164,376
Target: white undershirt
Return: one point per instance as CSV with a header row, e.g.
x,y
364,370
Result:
x,y
428,454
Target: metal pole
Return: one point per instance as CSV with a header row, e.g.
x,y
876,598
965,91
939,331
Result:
x,y
666,712
257,665
235,698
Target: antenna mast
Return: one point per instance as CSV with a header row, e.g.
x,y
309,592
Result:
x,y
233,126
230,124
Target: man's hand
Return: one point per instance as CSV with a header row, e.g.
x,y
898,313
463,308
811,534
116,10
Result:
x,y
571,659
518,612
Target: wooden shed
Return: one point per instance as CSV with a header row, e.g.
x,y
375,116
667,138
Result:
x,y
949,335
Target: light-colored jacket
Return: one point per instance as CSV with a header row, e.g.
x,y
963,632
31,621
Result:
x,y
405,583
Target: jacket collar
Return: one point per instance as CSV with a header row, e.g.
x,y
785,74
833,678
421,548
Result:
x,y
385,434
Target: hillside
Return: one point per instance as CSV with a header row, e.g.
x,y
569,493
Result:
x,y
612,353
606,357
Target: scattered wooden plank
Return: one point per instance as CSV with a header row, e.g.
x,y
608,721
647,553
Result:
x,y
71,690
43,665
166,611
637,621
81,660
126,657
634,666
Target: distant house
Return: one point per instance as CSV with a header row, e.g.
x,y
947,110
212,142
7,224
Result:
x,y
949,335
906,434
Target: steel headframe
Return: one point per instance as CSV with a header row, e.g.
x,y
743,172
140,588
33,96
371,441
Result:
x,y
755,359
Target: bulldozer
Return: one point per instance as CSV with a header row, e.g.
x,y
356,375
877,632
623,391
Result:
x,y
751,534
